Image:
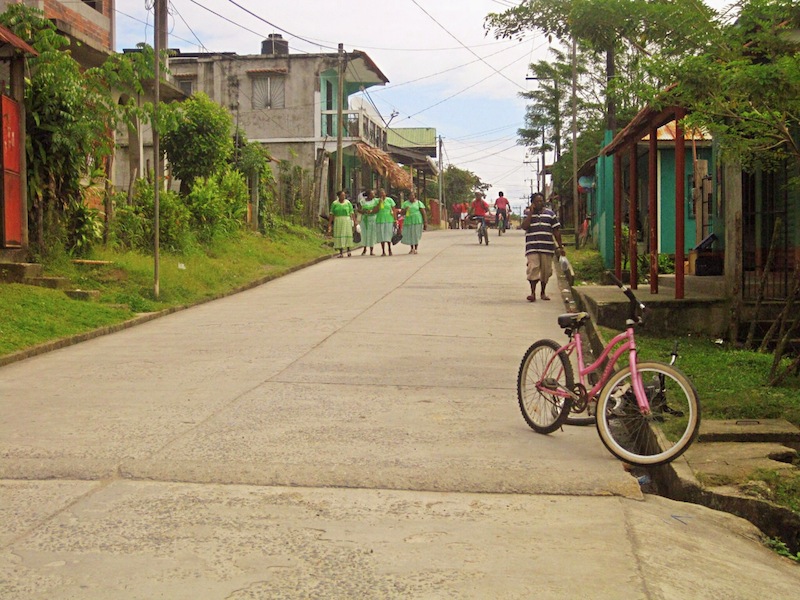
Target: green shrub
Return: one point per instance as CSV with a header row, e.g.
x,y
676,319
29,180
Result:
x,y
666,264
132,226
84,228
218,205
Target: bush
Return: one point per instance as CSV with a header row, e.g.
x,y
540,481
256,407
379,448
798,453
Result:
x,y
218,205
132,226
84,228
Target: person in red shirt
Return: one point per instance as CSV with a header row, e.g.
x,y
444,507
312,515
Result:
x,y
478,210
502,206
455,215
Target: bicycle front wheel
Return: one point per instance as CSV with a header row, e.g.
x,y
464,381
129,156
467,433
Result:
x,y
656,438
543,364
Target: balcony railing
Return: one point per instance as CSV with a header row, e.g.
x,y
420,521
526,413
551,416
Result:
x,y
356,124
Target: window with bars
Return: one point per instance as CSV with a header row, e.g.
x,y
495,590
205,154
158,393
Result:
x,y
187,86
269,92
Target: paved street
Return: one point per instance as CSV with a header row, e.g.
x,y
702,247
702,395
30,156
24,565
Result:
x,y
347,431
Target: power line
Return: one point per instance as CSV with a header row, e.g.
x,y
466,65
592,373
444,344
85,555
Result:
x,y
467,88
465,46
289,33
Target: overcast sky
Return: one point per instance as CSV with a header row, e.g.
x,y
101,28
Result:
x,y
444,70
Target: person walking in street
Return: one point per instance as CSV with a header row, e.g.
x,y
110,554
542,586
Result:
x,y
341,222
384,221
455,216
368,207
542,239
414,223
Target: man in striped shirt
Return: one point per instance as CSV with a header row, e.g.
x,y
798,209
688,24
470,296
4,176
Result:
x,y
542,239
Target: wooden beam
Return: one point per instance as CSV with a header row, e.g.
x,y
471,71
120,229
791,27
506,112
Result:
x,y
618,215
652,208
633,206
680,203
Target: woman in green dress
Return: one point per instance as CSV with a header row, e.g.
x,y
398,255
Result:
x,y
414,223
384,221
342,220
369,214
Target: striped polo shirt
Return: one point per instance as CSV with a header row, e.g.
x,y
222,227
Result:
x,y
539,235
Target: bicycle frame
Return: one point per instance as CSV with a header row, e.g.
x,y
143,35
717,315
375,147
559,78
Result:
x,y
628,344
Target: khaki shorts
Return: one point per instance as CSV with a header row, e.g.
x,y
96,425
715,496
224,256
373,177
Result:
x,y
540,266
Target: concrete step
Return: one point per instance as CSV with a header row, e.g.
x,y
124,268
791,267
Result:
x,y
19,272
86,295
778,431
54,283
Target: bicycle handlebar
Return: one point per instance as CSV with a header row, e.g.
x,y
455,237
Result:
x,y
635,302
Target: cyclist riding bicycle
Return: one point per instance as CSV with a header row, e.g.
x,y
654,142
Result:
x,y
478,209
502,206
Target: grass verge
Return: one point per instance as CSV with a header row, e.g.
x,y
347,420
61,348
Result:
x,y
731,383
30,315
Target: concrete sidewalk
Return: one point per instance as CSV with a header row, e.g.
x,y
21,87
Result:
x,y
347,431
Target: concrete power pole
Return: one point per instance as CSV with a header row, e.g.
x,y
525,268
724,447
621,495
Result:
x,y
160,9
576,215
339,115
441,180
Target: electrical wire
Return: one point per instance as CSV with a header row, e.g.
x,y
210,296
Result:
x,y
470,50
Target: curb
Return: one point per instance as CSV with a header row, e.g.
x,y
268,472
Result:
x,y
145,317
676,481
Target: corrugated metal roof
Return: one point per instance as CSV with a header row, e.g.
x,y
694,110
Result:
x,y
8,37
412,137
667,133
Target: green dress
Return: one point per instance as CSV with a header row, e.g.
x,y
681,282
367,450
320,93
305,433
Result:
x,y
413,222
369,229
385,220
342,224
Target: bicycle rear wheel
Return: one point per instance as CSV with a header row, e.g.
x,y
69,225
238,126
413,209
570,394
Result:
x,y
544,412
656,438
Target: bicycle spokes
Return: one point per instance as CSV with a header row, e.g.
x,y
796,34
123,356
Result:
x,y
653,435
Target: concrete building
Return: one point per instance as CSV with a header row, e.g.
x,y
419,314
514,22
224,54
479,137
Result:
x,y
88,23
289,103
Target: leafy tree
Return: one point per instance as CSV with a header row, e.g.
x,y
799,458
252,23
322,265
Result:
x,y
633,28
745,89
197,138
459,185
68,116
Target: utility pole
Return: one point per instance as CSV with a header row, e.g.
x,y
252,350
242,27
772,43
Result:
x,y
339,116
441,178
575,137
160,11
543,170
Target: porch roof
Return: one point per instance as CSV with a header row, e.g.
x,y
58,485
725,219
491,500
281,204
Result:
x,y
8,38
414,159
647,119
385,166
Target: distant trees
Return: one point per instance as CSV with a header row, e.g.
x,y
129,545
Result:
x,y
737,73
459,185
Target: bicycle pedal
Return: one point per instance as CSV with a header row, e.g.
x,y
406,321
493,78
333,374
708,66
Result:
x,y
550,383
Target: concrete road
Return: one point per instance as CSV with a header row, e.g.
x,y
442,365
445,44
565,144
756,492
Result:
x,y
347,431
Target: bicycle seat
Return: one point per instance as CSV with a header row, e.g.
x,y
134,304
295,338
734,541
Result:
x,y
572,320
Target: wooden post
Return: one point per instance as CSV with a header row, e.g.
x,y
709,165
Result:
x,y
652,207
680,203
618,215
633,205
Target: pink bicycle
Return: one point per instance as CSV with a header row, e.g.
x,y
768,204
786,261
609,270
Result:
x,y
647,413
